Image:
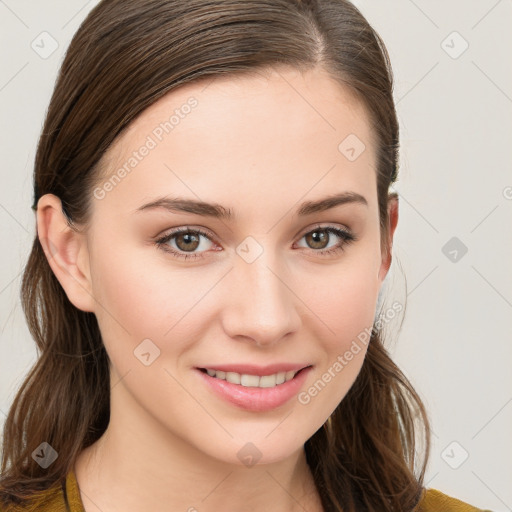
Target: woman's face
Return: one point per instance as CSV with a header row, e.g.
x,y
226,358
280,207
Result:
x,y
267,289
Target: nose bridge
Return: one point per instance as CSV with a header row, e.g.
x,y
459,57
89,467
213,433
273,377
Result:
x,y
262,305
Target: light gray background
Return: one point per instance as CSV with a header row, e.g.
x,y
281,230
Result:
x,y
455,181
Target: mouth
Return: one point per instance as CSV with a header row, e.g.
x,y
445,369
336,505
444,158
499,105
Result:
x,y
251,380
255,388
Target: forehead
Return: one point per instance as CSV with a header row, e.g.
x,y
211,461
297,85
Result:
x,y
273,136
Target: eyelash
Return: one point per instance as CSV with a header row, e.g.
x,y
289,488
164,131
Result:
x,y
346,236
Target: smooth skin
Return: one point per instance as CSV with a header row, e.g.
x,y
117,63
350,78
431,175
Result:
x,y
259,145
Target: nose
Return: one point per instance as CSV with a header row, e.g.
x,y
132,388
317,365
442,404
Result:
x,y
262,305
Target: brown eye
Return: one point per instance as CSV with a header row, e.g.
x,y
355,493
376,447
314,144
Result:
x,y
184,243
187,241
317,239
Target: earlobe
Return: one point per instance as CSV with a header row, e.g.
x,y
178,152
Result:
x,y
66,251
392,223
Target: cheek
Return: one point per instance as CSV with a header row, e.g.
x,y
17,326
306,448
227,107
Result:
x,y
126,294
344,311
139,297
344,299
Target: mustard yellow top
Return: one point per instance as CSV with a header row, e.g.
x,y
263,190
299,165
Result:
x,y
54,500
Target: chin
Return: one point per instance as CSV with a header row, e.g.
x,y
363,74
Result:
x,y
256,448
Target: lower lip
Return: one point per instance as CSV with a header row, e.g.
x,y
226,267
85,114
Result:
x,y
256,399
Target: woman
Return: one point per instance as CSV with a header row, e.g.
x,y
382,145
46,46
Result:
x,y
213,230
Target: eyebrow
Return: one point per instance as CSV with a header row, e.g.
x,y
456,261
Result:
x,y
220,212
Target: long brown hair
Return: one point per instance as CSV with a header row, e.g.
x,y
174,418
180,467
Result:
x,y
125,56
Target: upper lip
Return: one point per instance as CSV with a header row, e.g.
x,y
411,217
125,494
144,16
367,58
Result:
x,y
252,369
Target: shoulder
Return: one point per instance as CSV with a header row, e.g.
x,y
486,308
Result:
x,y
436,501
44,501
62,497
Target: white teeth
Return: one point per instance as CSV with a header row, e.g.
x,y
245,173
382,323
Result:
x,y
250,381
289,375
233,377
268,381
253,381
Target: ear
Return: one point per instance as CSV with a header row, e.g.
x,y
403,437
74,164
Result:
x,y
392,223
65,248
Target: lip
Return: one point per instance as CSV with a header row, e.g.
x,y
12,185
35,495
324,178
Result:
x,y
252,398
